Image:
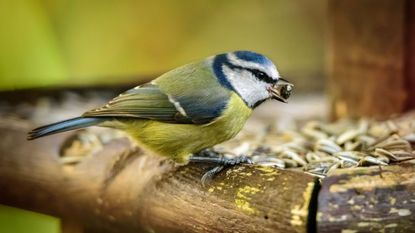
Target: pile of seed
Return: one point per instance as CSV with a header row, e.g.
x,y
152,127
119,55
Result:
x,y
319,148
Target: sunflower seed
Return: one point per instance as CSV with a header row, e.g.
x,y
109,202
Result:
x,y
328,146
294,156
369,160
348,135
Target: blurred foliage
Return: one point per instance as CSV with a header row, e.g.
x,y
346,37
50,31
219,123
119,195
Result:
x,y
75,42
19,221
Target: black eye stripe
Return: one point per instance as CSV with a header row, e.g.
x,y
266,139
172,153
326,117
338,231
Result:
x,y
255,72
261,75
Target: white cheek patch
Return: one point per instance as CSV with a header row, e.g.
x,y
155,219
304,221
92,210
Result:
x,y
250,89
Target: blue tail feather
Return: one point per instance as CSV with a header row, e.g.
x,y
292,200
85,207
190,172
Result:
x,y
66,125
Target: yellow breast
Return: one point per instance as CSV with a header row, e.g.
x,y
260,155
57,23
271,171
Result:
x,y
179,141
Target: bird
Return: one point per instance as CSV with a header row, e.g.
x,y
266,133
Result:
x,y
186,111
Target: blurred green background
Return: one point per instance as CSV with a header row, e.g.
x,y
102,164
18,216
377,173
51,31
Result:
x,y
75,42
46,43
14,220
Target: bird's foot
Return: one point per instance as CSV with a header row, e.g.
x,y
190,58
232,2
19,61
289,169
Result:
x,y
220,161
208,153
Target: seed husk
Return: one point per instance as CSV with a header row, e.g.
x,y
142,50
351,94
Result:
x,y
320,148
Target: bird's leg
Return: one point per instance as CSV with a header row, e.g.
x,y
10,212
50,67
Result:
x,y
208,153
221,161
209,156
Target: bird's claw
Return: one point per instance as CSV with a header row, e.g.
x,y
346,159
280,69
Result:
x,y
222,163
208,176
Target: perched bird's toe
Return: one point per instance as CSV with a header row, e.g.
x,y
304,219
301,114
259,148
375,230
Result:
x,y
221,163
209,175
237,160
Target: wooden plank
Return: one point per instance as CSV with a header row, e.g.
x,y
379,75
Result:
x,y
366,57
410,53
117,189
368,200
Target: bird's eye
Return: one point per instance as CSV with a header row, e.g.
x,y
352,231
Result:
x,y
262,76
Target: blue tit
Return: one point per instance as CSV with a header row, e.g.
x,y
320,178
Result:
x,y
190,108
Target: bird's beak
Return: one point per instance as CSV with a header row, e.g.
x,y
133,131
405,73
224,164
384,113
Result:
x,y
281,90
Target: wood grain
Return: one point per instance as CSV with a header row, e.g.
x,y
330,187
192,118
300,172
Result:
x,y
410,53
368,200
366,58
122,189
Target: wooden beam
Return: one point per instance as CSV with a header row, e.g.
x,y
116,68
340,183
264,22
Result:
x,y
366,58
410,53
368,200
118,189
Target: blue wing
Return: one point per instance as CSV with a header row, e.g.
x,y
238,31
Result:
x,y
149,102
189,94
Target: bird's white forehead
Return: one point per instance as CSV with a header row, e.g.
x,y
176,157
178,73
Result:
x,y
268,68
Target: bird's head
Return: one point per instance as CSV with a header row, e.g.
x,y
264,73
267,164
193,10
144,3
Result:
x,y
252,76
